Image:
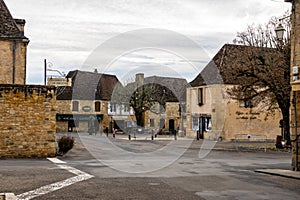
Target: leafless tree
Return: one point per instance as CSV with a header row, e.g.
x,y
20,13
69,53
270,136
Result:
x,y
262,70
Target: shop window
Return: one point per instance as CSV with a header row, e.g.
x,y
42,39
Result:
x,y
208,125
195,123
75,106
97,106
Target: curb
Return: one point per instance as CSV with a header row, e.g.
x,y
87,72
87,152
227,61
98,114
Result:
x,y
280,172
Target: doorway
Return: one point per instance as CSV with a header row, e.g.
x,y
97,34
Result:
x,y
171,126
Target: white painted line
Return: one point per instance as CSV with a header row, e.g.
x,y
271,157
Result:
x,y
53,187
56,161
72,170
81,176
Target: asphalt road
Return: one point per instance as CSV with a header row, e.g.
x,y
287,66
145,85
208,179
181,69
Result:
x,y
222,174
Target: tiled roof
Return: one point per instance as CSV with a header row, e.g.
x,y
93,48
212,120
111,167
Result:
x,y
8,26
217,71
89,86
176,85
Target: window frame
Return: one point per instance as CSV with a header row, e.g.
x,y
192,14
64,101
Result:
x,y
201,92
75,106
97,106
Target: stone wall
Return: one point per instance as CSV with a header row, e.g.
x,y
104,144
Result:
x,y
228,117
295,61
13,61
27,123
65,107
171,112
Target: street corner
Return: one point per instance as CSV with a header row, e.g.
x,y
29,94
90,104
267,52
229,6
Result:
x,y
19,176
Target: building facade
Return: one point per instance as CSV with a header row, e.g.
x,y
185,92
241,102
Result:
x,y
295,82
13,47
213,114
171,116
27,124
89,101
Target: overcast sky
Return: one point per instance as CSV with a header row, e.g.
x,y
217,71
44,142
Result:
x,y
109,34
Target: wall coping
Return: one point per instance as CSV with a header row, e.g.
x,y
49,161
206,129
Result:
x,y
27,89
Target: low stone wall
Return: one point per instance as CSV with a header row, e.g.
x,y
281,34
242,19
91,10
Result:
x,y
27,123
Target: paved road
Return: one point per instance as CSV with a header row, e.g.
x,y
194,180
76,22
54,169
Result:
x,y
221,174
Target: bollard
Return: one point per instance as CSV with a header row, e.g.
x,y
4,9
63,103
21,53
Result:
x,y
129,137
152,138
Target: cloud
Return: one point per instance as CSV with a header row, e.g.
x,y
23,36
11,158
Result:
x,y
67,32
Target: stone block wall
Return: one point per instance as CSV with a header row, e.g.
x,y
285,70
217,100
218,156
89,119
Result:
x,y
295,61
13,61
171,112
28,121
228,117
295,130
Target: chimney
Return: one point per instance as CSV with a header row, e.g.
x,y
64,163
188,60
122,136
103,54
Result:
x,y
139,79
21,24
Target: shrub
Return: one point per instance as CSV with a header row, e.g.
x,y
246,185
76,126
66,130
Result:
x,y
65,143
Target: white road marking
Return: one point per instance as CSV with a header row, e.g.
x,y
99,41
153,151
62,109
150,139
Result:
x,y
72,170
81,176
56,161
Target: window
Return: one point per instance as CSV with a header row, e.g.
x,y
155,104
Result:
x,y
247,104
97,106
195,123
152,122
126,108
200,96
113,107
208,125
75,106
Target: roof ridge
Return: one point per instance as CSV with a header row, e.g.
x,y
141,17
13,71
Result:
x,y
166,77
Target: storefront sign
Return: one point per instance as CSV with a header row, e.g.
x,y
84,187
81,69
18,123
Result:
x,y
86,108
70,117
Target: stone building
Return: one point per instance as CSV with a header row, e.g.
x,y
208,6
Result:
x,y
212,114
27,124
90,96
295,82
13,47
172,116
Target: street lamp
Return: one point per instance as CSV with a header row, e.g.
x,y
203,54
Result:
x,y
279,32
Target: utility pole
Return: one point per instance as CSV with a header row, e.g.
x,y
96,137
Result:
x,y
45,72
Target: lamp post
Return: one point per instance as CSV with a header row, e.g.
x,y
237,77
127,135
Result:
x,y
279,32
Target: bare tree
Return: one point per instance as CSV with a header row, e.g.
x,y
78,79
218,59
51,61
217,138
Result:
x,y
262,70
144,97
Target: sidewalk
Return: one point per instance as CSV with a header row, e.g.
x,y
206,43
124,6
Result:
x,y
280,172
267,147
